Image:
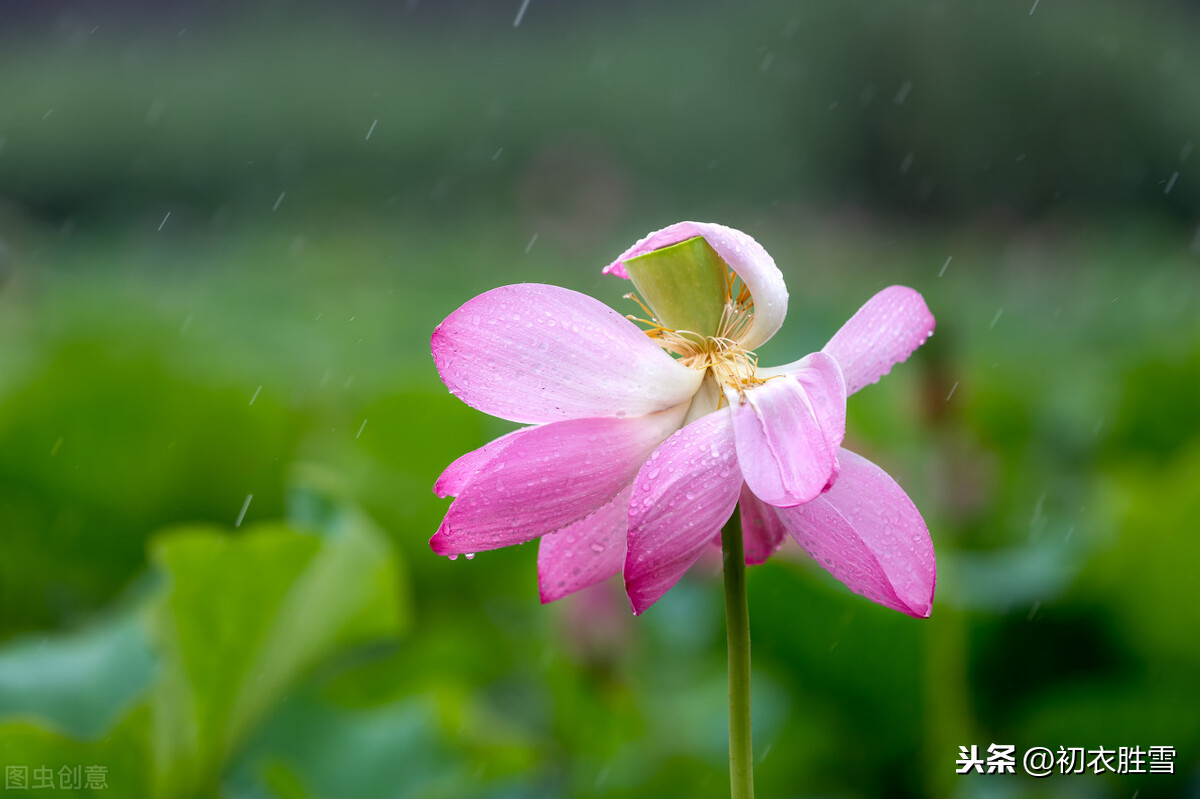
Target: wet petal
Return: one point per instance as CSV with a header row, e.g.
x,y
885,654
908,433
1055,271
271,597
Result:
x,y
590,550
548,478
788,431
884,332
745,257
821,378
537,353
459,473
866,532
762,530
681,498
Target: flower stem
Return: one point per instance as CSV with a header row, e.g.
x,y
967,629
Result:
x,y
737,628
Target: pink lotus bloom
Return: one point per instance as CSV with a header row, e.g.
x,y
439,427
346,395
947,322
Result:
x,y
642,443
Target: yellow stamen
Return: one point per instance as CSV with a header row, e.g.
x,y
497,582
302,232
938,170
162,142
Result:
x,y
642,305
732,366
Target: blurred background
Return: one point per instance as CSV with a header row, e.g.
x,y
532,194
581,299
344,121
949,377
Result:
x,y
228,229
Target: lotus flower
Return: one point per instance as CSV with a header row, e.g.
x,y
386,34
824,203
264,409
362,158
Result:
x,y
642,442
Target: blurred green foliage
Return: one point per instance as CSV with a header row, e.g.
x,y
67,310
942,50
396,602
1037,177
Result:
x,y
933,109
219,426
169,688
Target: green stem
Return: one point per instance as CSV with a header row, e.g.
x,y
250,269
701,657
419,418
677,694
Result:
x,y
737,627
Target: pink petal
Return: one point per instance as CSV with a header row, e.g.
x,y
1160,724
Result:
x,y
866,532
590,550
884,332
788,431
459,473
762,530
682,496
548,478
821,378
745,257
536,353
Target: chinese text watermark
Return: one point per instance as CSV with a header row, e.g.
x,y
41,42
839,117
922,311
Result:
x,y
1042,761
76,777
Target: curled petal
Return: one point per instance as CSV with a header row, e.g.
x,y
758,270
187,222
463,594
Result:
x,y
745,257
456,476
866,532
821,378
590,550
548,478
682,496
537,353
762,530
788,431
